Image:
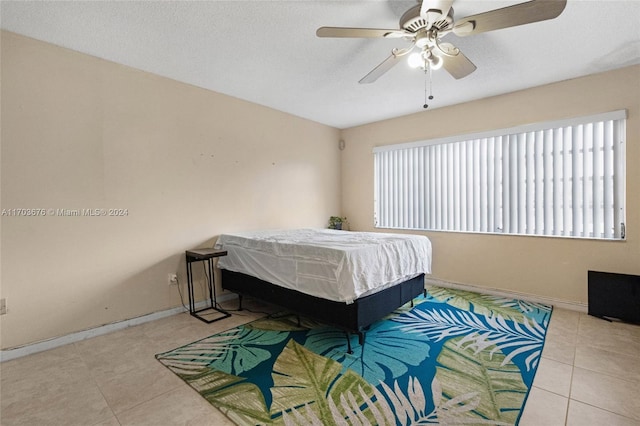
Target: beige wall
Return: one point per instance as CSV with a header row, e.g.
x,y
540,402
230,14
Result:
x,y
548,267
187,163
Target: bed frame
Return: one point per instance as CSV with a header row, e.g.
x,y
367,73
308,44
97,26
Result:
x,y
352,318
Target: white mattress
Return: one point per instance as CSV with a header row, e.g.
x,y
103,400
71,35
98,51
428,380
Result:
x,y
335,265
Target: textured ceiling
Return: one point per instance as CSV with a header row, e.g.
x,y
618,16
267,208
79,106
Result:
x,y
267,51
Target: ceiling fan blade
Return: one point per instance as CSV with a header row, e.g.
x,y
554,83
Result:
x,y
377,72
454,61
511,16
433,10
358,32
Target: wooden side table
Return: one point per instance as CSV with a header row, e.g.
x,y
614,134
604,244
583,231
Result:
x,y
204,255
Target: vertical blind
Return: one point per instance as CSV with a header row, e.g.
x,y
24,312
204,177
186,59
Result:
x,y
563,178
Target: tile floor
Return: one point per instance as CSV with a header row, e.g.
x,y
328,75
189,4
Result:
x,y
589,375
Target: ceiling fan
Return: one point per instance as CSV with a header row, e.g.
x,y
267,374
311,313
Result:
x,y
426,23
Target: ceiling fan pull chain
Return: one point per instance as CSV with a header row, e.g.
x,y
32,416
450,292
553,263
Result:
x,y
425,106
427,68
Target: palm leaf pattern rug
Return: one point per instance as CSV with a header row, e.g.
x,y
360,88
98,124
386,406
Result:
x,y
453,358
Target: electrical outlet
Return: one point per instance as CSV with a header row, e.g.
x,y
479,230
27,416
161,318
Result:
x,y
3,306
172,279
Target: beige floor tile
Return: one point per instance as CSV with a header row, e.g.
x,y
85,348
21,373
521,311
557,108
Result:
x,y
125,391
189,332
118,360
111,344
544,408
17,369
611,336
61,394
559,350
606,392
108,342
112,421
590,325
582,414
554,376
563,326
566,318
626,345
166,326
623,366
182,406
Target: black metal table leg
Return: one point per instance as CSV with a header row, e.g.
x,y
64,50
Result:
x,y
204,255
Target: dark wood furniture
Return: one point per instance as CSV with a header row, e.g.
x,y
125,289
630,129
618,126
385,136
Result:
x,y
204,255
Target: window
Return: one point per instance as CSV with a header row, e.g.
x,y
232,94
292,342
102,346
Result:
x,y
562,178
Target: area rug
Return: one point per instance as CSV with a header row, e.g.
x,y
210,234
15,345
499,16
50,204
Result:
x,y
454,357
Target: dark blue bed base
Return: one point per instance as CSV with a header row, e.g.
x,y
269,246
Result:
x,y
352,318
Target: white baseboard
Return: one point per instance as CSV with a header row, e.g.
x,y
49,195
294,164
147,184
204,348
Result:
x,y
20,351
559,303
13,353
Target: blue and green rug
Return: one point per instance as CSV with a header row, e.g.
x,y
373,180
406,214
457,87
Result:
x,y
455,357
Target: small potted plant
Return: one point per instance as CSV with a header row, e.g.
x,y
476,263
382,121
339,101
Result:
x,y
336,222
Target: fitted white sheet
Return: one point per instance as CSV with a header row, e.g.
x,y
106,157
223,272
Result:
x,y
335,265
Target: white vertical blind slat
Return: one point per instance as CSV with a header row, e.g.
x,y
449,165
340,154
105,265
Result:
x,y
578,167
539,182
530,183
514,176
450,187
483,186
499,186
607,177
567,173
547,203
464,206
618,181
587,186
444,187
432,188
477,184
491,186
384,195
557,181
597,180
456,185
521,171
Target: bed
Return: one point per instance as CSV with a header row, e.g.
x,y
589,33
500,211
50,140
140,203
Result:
x,y
341,278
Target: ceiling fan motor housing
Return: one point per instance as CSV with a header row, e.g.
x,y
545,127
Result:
x,y
413,22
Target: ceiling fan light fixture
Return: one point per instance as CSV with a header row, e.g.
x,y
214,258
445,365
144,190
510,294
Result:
x,y
415,60
435,62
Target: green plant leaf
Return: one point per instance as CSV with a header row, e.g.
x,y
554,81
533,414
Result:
x,y
479,331
387,353
239,400
208,379
500,388
190,359
302,378
235,351
482,304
